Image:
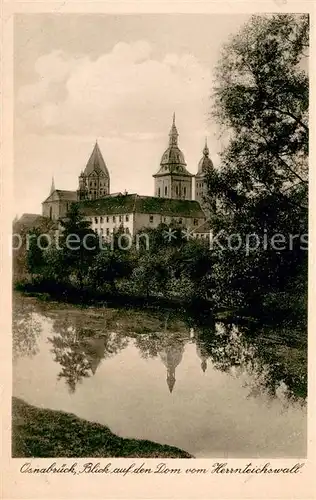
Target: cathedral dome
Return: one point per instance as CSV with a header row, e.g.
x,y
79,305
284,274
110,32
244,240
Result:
x,y
173,156
172,161
205,163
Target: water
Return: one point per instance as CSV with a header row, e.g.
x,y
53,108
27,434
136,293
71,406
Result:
x,y
219,390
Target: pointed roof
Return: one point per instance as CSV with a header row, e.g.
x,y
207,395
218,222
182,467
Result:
x,y
205,163
96,162
172,161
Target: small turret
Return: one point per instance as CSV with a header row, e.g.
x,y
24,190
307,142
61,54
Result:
x,y
205,166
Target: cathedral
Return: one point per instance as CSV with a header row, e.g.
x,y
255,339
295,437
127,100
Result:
x,y
172,201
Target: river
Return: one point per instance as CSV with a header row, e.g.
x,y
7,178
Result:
x,y
219,389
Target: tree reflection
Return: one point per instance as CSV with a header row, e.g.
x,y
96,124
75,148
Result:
x,y
79,351
258,355
26,329
270,359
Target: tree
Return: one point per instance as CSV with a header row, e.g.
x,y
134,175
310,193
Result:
x,y
261,101
115,261
34,259
78,243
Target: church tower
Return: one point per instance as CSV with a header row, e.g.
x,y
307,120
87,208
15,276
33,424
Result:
x,y
173,179
94,181
204,167
171,357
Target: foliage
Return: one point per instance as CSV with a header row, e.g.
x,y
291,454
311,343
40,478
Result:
x,y
261,101
78,242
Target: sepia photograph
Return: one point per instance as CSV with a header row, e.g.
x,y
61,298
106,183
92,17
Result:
x,y
160,235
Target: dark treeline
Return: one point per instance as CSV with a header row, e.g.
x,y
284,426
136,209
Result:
x,y
151,266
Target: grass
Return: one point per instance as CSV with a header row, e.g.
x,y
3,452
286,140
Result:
x,y
46,433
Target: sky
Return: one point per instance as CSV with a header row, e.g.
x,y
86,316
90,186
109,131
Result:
x,y
117,79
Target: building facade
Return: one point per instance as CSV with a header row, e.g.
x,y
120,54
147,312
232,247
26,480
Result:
x,y
172,201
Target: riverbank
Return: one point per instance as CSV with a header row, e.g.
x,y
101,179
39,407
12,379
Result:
x,y
45,433
198,308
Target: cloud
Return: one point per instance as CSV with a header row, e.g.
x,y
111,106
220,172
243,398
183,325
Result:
x,y
124,91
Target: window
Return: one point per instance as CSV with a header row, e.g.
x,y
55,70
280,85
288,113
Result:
x,y
126,218
107,231
113,218
180,221
127,231
166,190
120,218
107,219
101,230
96,220
101,220
177,191
50,212
159,192
195,222
151,218
164,219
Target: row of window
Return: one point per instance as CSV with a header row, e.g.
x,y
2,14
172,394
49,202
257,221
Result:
x,y
107,219
178,191
120,218
94,184
108,232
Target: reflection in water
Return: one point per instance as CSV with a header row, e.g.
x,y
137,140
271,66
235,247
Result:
x,y
26,329
78,352
79,348
137,350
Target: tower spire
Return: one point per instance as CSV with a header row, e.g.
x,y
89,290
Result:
x,y
206,151
52,189
173,134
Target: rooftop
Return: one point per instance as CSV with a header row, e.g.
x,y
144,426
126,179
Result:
x,y
63,194
96,162
131,203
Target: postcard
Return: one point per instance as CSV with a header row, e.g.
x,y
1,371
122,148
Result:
x,y
157,291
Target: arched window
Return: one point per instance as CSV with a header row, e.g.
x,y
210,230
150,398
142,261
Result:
x,y
50,212
185,191
159,192
177,191
166,190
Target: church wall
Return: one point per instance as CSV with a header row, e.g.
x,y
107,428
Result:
x,y
178,187
55,209
181,187
163,187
